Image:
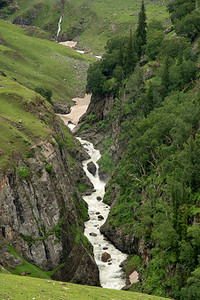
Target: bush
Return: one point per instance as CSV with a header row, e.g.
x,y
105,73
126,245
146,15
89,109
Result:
x,y
23,171
49,168
46,93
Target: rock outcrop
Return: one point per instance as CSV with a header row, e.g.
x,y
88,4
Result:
x,y
42,213
62,108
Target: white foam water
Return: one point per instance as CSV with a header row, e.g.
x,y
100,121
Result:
x,y
111,274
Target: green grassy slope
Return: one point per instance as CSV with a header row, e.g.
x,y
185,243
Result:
x,y
16,287
97,21
34,62
20,128
25,64
92,23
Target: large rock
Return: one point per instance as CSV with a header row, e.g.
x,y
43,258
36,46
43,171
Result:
x,y
124,242
91,168
105,257
62,109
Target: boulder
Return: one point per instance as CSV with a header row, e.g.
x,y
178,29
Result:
x,y
99,198
100,217
93,234
62,109
105,257
91,168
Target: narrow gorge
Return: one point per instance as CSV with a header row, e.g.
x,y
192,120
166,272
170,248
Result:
x,y
108,258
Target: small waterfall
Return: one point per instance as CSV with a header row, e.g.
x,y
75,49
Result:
x,y
59,28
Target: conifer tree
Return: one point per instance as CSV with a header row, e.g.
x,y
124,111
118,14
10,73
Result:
x,y
131,56
141,32
165,80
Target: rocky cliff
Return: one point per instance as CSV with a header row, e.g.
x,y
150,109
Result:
x,y
42,213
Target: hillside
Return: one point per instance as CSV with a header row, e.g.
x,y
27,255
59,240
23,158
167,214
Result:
x,y
24,68
144,116
91,23
37,63
31,288
41,217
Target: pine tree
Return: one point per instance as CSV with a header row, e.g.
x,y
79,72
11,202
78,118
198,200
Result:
x,y
130,56
165,80
141,32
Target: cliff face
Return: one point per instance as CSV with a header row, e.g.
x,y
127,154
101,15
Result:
x,y
42,213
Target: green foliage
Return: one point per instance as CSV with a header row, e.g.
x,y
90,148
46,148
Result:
x,y
82,187
91,118
133,263
141,30
130,57
106,163
157,179
154,40
49,168
46,93
192,289
79,237
23,171
189,25
95,80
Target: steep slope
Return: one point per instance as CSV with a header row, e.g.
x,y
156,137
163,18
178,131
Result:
x,y
42,213
37,63
144,116
91,23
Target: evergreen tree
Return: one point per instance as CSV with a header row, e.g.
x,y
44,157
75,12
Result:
x,y
165,81
141,30
130,56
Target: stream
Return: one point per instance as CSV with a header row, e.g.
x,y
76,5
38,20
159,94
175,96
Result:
x,y
111,274
59,28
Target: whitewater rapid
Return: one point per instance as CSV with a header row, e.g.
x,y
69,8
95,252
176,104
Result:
x,y
111,274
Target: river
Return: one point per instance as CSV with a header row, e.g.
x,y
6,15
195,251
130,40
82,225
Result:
x,y
111,274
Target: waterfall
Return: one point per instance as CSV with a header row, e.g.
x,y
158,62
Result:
x,y
59,27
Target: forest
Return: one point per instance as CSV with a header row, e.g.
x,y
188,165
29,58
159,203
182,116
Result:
x,y
153,77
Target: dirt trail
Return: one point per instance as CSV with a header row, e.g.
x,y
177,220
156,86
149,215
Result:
x,y
77,110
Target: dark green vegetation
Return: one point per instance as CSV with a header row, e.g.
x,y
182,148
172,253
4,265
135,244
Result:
x,y
91,23
31,288
156,184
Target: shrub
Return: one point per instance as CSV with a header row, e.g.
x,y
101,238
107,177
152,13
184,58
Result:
x,y
23,171
46,93
49,168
